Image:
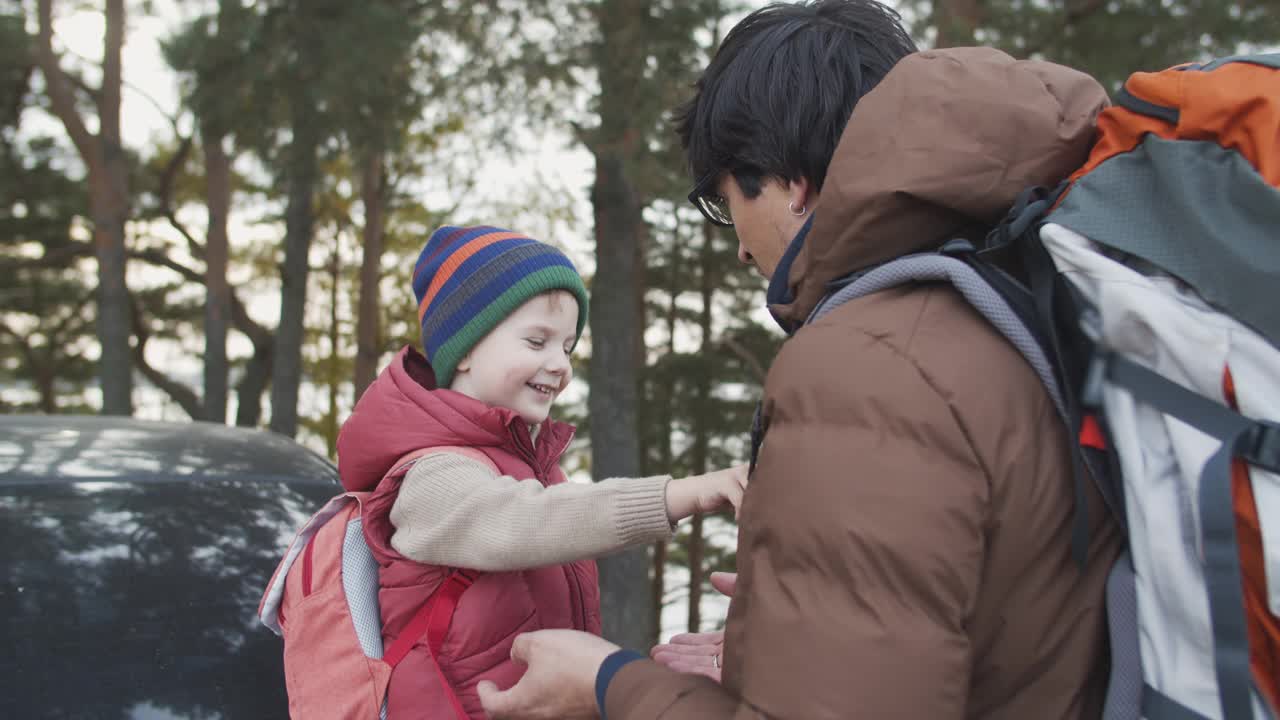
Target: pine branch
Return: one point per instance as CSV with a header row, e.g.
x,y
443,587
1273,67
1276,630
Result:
x,y
240,317
85,298
753,364
56,258
167,178
181,394
58,87
259,335
1071,16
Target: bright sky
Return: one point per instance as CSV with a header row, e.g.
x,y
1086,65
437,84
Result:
x,y
151,99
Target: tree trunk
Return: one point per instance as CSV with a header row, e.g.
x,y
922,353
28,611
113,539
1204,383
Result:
x,y
702,427
253,385
638,326
331,422
44,369
666,454
217,309
45,380
257,372
658,589
955,22
612,400
111,211
113,319
108,171
612,374
373,182
286,375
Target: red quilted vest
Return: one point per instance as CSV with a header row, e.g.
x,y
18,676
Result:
x,y
398,414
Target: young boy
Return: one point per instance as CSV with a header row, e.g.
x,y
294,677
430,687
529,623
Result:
x,y
500,316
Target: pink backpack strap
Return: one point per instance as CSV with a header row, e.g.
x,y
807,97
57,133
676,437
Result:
x,y
433,619
406,461
432,622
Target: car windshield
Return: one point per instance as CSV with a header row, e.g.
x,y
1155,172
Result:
x,y
137,599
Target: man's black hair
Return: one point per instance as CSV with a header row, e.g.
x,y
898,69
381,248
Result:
x,y
779,91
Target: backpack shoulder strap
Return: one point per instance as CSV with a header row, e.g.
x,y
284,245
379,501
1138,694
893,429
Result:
x,y
406,461
936,267
432,620
977,288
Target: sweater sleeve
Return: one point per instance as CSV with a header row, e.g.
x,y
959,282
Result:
x,y
455,511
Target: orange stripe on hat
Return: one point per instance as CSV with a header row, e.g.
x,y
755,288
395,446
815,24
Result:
x,y
445,244
452,262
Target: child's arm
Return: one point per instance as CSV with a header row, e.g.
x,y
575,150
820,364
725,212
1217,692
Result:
x,y
456,512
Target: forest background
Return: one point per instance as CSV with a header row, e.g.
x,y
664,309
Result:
x,y
209,209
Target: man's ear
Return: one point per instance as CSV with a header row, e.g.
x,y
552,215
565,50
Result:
x,y
802,194
464,365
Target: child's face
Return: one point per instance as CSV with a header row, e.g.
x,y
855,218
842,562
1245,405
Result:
x,y
523,363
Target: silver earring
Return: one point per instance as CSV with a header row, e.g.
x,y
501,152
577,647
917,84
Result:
x,y
792,207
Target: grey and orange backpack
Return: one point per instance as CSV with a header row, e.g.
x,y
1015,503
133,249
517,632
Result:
x,y
1145,292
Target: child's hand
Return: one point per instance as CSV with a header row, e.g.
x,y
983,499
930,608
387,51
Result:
x,y
700,494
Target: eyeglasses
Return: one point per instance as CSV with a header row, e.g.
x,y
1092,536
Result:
x,y
713,207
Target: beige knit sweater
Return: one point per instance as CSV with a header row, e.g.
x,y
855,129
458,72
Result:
x,y
457,512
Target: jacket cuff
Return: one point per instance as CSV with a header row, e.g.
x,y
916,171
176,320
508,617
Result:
x,y
608,669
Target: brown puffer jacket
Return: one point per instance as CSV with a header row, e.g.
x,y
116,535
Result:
x,y
904,546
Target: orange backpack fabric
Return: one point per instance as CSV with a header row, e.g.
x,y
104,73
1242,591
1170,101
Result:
x,y
1235,104
1263,627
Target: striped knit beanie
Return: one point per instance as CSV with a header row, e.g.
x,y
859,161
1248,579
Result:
x,y
469,279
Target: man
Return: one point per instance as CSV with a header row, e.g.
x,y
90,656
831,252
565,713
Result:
x,y
904,545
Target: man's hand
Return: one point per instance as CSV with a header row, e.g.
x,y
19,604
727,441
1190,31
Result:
x,y
698,653
560,681
698,494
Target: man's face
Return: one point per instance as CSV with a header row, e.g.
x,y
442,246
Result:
x,y
766,223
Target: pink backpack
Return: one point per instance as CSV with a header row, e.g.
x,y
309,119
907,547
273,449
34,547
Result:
x,y
326,609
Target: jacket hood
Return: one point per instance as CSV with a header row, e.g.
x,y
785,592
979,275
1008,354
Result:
x,y
403,411
939,149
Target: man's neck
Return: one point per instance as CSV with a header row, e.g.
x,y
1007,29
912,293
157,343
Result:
x,y
779,292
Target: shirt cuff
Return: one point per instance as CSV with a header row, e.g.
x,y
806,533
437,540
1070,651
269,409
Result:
x,y
608,669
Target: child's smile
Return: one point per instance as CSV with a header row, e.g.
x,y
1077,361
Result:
x,y
523,363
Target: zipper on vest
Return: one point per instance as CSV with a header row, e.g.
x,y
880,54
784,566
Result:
x,y
524,446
